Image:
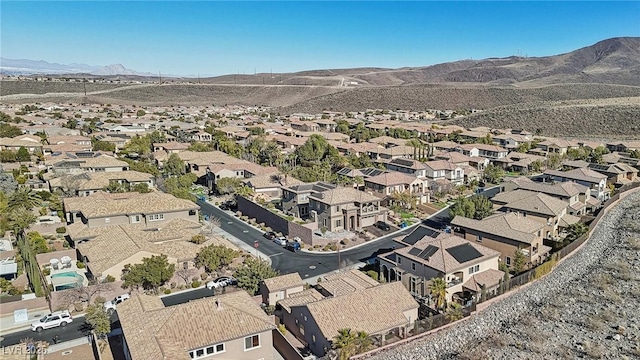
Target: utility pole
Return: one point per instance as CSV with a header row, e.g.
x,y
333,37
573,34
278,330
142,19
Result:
x,y
84,85
160,77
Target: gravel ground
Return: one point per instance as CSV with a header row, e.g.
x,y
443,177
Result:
x,y
586,308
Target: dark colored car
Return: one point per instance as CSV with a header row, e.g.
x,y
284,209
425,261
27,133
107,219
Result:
x,y
224,206
293,246
270,235
383,226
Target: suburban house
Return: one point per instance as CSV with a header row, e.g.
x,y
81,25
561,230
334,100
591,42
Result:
x,y
623,146
171,147
392,182
315,318
345,208
87,162
151,209
595,181
577,196
618,174
506,233
270,185
295,198
521,162
88,183
555,146
30,142
280,287
511,141
482,150
464,161
408,166
229,326
444,170
536,206
463,264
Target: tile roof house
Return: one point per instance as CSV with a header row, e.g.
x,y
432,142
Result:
x,y
444,170
573,193
506,233
392,182
280,287
446,256
618,174
584,176
408,166
104,209
536,206
345,208
87,162
361,305
271,184
229,326
88,183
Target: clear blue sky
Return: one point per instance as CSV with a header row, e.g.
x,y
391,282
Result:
x,y
206,37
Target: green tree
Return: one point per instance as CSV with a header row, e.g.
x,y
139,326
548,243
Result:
x,y
523,147
215,257
141,188
96,316
7,287
71,124
493,174
9,131
345,343
20,219
150,274
554,161
438,290
454,312
252,272
315,149
576,230
37,243
23,155
363,342
157,137
98,145
635,154
140,145
24,198
7,156
201,147
141,113
519,261
483,207
174,165
462,206
228,185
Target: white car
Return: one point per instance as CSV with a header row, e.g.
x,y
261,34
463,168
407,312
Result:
x,y
110,306
282,241
55,319
221,282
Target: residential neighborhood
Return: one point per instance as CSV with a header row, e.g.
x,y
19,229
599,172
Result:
x,y
234,232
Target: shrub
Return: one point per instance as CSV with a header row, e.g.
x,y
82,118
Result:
x,y
195,284
198,239
80,264
100,300
173,285
195,278
46,272
373,274
109,279
61,230
204,276
66,244
167,291
282,328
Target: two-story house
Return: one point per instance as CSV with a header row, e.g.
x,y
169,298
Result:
x,y
229,326
90,182
506,233
345,208
577,196
438,170
90,162
618,174
461,263
280,287
595,181
408,166
536,206
392,182
482,150
295,198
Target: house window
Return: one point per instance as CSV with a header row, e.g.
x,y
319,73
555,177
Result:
x,y
135,219
413,266
474,269
507,261
313,338
251,342
301,327
399,260
305,318
192,212
479,239
107,220
303,211
324,222
338,223
155,217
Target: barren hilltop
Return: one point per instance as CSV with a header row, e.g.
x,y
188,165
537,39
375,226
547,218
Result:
x,y
583,92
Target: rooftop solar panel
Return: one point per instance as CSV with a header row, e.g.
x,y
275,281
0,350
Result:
x,y
463,253
419,233
428,252
415,251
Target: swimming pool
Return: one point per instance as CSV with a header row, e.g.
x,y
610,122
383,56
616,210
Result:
x,y
67,280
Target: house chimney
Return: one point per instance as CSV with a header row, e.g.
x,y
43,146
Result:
x,y
218,304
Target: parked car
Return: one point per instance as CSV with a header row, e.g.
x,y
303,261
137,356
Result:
x,y
55,319
270,235
383,226
222,281
293,246
110,306
282,241
224,206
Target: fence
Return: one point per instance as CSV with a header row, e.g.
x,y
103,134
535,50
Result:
x,y
274,221
284,347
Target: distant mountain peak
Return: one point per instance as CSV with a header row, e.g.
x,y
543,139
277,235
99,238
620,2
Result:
x,y
33,67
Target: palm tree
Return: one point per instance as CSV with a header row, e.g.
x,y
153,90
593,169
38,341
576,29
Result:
x,y
345,343
438,289
363,342
24,198
454,311
404,199
244,191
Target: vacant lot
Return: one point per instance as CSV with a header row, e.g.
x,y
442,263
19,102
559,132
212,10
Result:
x,y
36,87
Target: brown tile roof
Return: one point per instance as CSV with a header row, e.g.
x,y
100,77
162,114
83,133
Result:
x,y
170,332
564,189
509,226
101,205
441,260
342,195
391,178
100,180
283,282
487,278
441,165
582,174
354,310
531,201
342,283
300,298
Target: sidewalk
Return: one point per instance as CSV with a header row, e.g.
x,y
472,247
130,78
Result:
x,y
8,325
